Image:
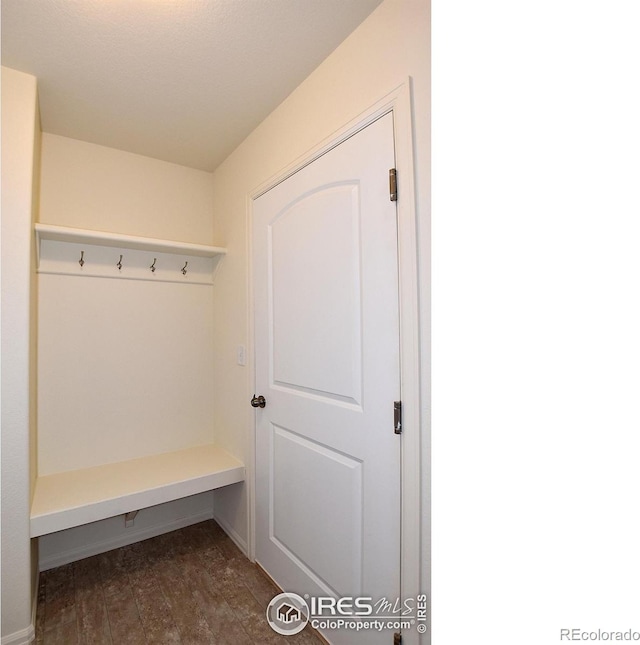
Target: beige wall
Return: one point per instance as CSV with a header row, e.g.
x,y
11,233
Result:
x,y
89,186
115,346
20,143
391,45
84,185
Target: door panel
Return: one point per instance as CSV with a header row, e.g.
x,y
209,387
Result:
x,y
327,362
319,506
314,259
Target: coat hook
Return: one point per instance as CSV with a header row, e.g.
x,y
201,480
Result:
x,y
81,260
153,266
119,265
184,268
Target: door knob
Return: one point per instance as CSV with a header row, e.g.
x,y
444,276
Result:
x,y
258,401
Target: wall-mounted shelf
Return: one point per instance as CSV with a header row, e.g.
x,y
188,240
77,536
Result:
x,y
71,251
69,499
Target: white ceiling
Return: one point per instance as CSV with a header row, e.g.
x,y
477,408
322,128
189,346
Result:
x,y
181,80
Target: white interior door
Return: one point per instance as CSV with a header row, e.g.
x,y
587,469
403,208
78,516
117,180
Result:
x,y
327,363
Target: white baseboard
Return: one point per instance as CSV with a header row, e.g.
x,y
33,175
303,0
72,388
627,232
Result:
x,y
23,637
240,543
130,537
28,634
34,602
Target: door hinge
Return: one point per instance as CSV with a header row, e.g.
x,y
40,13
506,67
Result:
x,y
397,417
393,185
397,638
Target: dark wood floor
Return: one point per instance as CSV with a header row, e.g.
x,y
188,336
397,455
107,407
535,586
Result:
x,y
191,586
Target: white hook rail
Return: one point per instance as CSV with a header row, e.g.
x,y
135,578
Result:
x,y
70,251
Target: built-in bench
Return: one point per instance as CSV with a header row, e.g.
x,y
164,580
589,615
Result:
x,y
64,500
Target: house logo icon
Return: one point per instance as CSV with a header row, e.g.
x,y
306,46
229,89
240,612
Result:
x,y
287,614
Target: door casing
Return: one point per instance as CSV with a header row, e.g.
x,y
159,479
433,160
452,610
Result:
x,y
414,435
